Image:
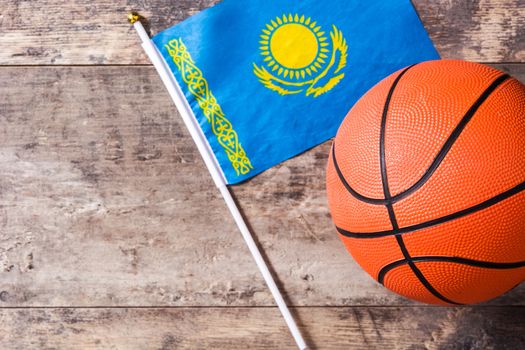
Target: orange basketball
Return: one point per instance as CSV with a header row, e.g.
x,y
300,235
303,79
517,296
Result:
x,y
426,182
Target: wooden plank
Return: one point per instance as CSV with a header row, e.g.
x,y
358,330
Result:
x,y
262,328
96,32
105,202
479,30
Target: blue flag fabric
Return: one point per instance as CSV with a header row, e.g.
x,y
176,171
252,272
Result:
x,y
267,80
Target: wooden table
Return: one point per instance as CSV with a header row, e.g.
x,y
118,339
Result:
x,y
112,235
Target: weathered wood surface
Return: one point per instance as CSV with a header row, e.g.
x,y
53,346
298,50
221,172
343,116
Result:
x,y
87,32
262,328
105,202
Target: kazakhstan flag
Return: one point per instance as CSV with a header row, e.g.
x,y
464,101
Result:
x,y
267,80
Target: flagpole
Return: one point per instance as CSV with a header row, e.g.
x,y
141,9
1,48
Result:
x,y
215,171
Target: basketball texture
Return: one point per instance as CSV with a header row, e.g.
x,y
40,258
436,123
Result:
x,y
426,182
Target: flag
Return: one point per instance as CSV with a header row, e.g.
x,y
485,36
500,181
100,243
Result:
x,y
267,80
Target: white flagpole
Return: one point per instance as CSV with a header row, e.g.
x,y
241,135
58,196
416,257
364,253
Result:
x,y
214,169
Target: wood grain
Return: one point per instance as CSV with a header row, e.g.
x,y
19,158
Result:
x,y
113,236
262,328
96,32
105,202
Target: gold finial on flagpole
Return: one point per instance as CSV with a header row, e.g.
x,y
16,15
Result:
x,y
133,17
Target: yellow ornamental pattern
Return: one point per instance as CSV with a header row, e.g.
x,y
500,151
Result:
x,y
220,125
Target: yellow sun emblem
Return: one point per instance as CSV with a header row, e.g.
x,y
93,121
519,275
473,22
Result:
x,y
299,57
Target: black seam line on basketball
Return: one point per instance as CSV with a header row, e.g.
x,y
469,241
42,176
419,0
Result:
x,y
435,163
382,158
389,206
336,165
409,260
387,268
403,230
451,259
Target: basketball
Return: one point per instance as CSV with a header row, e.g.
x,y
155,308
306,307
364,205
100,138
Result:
x,y
426,182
